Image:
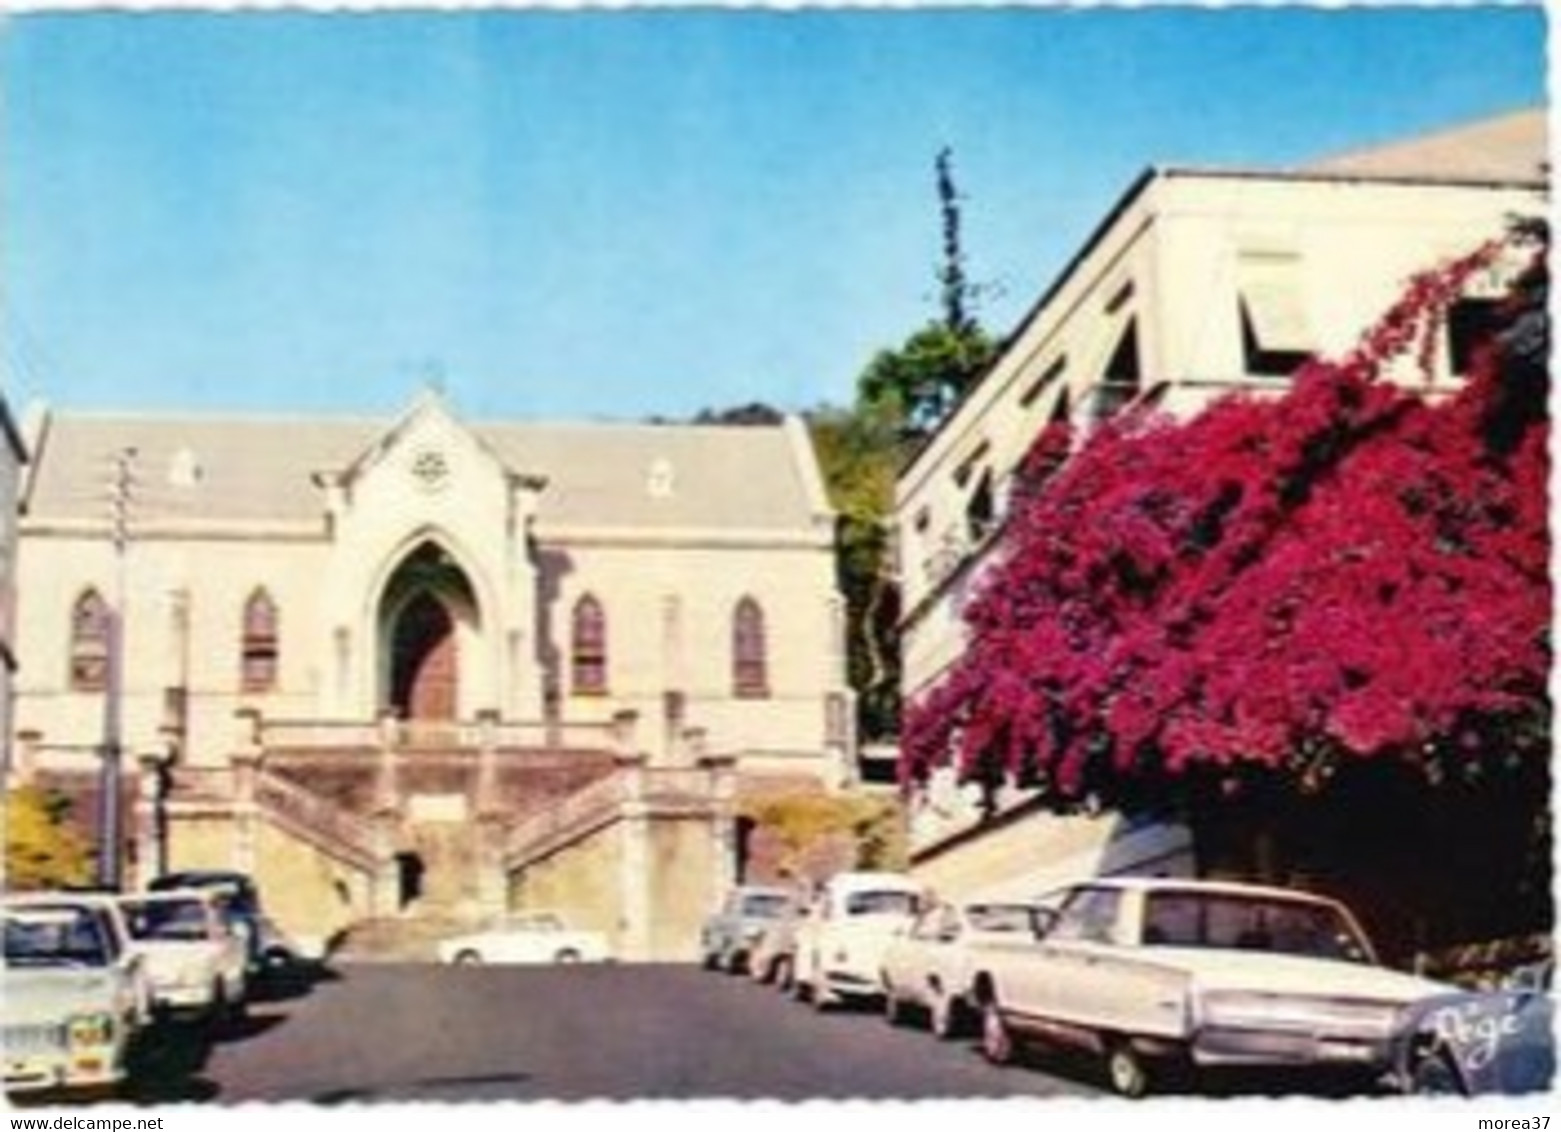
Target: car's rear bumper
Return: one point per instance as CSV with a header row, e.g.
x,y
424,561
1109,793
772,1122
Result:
x,y
1245,1046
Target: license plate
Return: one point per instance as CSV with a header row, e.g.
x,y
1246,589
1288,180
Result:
x,y
1343,1051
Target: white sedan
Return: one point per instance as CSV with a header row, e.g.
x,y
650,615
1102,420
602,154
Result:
x,y
195,960
928,964
76,997
526,937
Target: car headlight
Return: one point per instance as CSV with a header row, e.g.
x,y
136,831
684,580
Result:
x,y
90,1029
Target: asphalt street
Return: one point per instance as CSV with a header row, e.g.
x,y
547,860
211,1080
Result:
x,y
374,1032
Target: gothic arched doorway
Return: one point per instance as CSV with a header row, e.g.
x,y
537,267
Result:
x,y
427,612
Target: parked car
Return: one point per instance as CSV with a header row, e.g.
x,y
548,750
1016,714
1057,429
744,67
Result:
x,y
76,997
196,963
927,965
526,937
1159,975
840,944
727,937
1477,1043
241,905
773,956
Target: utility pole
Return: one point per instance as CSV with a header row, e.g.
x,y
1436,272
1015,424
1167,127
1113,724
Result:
x,y
109,800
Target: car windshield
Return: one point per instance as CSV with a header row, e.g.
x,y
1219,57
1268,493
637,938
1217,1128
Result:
x,y
1252,923
1002,917
765,906
55,936
879,901
167,919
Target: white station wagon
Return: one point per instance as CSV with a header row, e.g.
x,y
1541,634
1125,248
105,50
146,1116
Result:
x,y
1159,974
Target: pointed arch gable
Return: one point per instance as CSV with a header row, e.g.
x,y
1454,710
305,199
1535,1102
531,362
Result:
x,y
89,631
588,647
750,659
379,582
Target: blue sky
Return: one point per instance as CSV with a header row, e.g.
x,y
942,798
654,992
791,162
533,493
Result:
x,y
620,214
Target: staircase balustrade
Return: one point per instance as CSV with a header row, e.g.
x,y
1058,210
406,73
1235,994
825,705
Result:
x,y
333,828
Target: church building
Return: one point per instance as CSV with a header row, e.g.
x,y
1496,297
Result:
x,y
428,667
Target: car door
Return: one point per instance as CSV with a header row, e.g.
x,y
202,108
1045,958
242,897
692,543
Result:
x,y
915,954
1071,964
944,954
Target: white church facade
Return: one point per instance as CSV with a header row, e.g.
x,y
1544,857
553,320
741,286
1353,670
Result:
x,y
426,664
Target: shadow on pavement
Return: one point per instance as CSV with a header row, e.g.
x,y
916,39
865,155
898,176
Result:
x,y
292,980
418,1088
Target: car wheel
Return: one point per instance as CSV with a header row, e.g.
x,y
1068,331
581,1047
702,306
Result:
x,y
708,960
997,1041
945,1016
893,1006
467,958
1126,1070
567,955
1434,1076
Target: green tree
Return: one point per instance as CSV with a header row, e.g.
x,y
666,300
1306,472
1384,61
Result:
x,y
921,381
42,849
857,451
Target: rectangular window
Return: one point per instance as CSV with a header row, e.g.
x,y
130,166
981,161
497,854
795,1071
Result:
x,y
1276,330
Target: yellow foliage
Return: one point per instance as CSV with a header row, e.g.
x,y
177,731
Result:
x,y
819,832
41,849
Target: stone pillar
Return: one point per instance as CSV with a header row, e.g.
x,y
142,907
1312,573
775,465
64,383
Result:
x,y
624,725
385,887
634,875
485,797
387,791
839,744
385,884
246,817
492,884
245,761
526,685
674,711
721,788
492,880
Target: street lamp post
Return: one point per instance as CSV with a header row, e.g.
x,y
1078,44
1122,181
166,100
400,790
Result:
x,y
110,802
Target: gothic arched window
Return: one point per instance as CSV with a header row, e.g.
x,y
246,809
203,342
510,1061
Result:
x,y
258,667
750,668
89,630
588,648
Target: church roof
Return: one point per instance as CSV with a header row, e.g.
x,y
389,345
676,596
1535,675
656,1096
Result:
x,y
258,469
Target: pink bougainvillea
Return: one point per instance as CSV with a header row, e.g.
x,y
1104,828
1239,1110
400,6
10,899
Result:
x,y
1345,571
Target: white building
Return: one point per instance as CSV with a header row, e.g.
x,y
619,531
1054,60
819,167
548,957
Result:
x,y
1197,282
430,663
